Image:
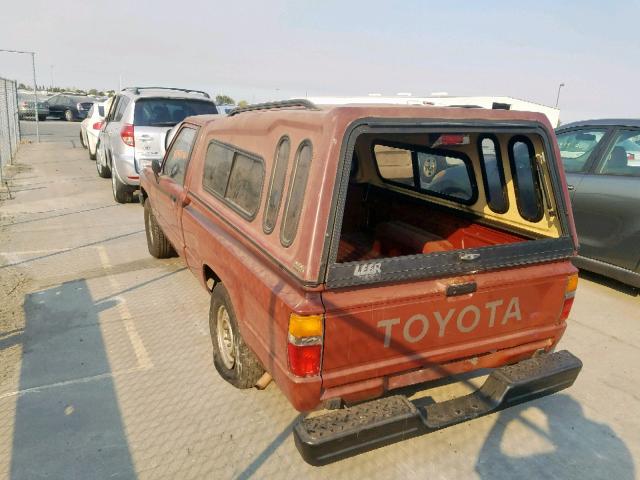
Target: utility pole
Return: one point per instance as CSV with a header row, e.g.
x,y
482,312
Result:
x,y
35,86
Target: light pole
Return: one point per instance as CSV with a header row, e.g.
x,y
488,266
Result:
x,y
558,96
35,87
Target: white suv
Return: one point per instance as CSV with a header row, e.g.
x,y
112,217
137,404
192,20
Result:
x,y
134,131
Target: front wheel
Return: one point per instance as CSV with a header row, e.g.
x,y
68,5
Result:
x,y
68,115
232,357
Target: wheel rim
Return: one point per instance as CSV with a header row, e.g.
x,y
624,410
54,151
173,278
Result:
x,y
225,337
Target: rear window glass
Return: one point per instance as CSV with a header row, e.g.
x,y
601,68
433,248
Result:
x,y
101,110
493,174
297,187
164,112
441,173
276,186
234,176
525,177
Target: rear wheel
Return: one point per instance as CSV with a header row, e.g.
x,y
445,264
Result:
x,y
68,115
157,243
122,193
82,140
42,118
232,357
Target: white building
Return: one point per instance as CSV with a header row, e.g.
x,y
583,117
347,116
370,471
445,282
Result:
x,y
505,103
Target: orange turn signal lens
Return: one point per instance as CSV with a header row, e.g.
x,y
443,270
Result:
x,y
572,284
301,326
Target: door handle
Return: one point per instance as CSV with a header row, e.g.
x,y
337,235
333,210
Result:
x,y
571,187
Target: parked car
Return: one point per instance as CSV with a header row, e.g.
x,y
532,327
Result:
x,y
90,127
69,106
344,277
27,109
135,128
602,163
224,109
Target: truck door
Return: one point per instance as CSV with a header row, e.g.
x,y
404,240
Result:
x,y
171,193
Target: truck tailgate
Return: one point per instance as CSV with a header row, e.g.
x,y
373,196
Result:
x,y
376,331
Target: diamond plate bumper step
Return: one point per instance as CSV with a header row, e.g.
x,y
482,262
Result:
x,y
347,432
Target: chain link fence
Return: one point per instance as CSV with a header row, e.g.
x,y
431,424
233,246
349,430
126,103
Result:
x,y
9,124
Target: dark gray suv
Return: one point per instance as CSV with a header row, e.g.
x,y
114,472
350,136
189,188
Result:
x,y
602,161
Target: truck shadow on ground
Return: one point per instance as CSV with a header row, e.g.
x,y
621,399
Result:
x,y
574,446
67,420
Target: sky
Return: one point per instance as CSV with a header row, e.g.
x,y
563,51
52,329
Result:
x,y
265,50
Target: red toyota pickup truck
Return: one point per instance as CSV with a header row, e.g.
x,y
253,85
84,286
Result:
x,y
351,251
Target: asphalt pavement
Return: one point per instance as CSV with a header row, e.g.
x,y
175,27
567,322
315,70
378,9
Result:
x,y
51,130
106,362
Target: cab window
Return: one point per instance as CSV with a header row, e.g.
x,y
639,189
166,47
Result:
x,y
440,173
525,178
175,164
576,148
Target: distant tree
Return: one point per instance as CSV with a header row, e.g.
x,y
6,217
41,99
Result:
x,y
22,86
93,91
224,100
111,93
243,103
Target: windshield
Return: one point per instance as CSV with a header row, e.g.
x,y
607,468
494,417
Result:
x,y
159,112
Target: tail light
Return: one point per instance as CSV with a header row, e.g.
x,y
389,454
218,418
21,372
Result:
x,y
126,133
97,125
304,346
569,295
631,156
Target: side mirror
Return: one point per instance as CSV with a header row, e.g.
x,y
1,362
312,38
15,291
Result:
x,y
156,166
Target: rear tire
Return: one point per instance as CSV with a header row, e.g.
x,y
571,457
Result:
x,y
84,145
68,115
232,357
122,193
157,243
42,118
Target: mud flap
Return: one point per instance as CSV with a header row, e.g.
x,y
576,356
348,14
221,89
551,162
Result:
x,y
343,433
